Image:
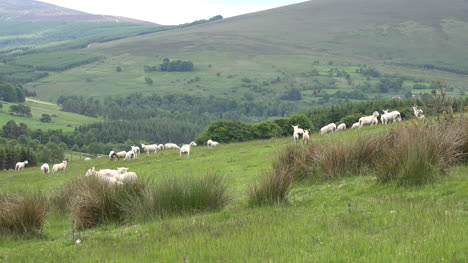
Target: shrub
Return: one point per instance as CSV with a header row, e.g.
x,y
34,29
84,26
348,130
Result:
x,y
272,188
266,129
23,213
422,152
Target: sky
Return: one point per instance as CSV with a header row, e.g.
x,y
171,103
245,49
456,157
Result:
x,y
171,12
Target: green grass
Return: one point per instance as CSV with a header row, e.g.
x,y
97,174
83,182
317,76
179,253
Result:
x,y
65,121
364,220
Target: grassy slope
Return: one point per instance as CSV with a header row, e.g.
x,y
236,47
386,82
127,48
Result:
x,y
362,220
261,46
65,120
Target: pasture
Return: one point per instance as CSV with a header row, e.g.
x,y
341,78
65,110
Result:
x,y
347,219
65,121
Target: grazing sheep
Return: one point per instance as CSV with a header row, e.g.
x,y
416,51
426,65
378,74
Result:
x,y
103,178
149,148
129,155
170,146
211,143
390,116
306,137
118,155
328,129
418,113
128,177
356,125
122,170
59,166
160,148
372,120
341,127
20,165
87,159
136,150
45,168
297,133
185,149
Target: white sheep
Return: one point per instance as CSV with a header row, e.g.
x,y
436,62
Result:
x,y
356,125
306,136
297,133
136,150
20,165
185,149
129,155
149,148
341,127
170,146
59,166
372,120
418,113
329,128
128,177
45,168
87,159
118,155
122,170
390,116
103,178
211,143
160,148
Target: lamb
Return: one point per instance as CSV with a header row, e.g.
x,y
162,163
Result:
x,y
59,166
211,143
356,125
103,178
136,150
328,128
87,159
390,116
372,120
149,148
20,165
117,155
185,149
129,155
297,133
45,168
128,177
121,170
160,147
169,146
341,127
418,113
305,137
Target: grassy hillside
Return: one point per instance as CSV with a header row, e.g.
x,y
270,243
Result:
x,y
60,120
362,219
397,37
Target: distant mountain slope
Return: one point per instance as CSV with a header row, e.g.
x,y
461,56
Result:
x,y
31,10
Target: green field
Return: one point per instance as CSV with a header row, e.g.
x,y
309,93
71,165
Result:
x,y
348,219
283,42
65,121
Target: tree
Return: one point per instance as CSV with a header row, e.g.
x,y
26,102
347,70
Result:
x,y
21,110
46,118
118,69
148,81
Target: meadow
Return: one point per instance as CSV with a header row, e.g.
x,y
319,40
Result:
x,y
65,121
346,219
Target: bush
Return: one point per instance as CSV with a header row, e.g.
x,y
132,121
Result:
x,y
272,188
23,213
420,152
226,131
266,129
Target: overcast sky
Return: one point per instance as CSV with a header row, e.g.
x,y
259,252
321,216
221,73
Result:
x,y
171,12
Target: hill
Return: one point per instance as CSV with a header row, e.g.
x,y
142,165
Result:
x,y
261,56
364,220
32,10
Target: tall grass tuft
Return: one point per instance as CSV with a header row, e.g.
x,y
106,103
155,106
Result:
x,y
23,213
272,188
92,202
422,152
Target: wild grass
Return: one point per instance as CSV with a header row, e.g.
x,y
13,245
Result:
x,y
92,202
23,213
